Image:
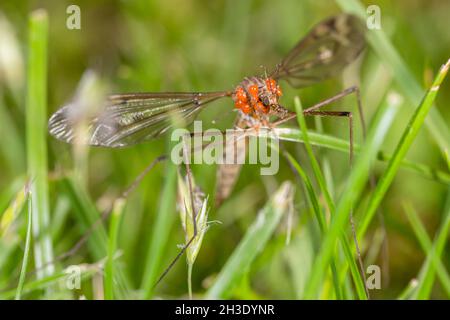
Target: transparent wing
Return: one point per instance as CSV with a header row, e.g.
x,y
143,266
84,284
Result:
x,y
324,52
127,119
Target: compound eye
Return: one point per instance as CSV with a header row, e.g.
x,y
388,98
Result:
x,y
265,100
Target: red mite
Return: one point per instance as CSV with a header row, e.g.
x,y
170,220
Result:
x,y
254,96
127,119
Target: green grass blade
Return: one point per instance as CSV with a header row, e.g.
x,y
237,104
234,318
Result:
x,y
26,252
356,182
36,131
314,163
88,218
87,272
114,225
12,147
425,286
380,43
34,285
338,144
319,216
359,283
427,275
420,169
405,143
408,291
14,209
326,164
161,230
253,242
87,215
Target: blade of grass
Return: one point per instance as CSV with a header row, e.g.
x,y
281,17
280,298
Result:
x,y
357,279
12,63
405,143
426,278
326,165
26,251
338,144
408,291
319,216
356,182
114,225
13,210
36,131
314,163
34,285
12,147
380,43
420,169
88,216
164,220
253,242
392,101
48,281
9,193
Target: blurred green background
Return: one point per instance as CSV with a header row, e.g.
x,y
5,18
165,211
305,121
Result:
x,y
189,45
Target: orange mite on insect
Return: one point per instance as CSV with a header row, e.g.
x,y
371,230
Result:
x,y
273,87
256,95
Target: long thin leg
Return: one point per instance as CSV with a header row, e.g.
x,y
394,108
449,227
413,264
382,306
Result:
x,y
349,115
346,92
186,155
346,114
341,95
291,115
194,214
285,116
106,213
172,263
77,246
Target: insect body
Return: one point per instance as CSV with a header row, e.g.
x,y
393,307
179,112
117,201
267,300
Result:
x,y
127,119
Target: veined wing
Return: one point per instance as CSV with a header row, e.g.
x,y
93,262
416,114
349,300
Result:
x,y
324,52
127,119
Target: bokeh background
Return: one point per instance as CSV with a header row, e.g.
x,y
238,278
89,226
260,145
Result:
x,y
187,45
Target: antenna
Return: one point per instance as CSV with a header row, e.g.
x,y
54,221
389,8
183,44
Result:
x,y
265,71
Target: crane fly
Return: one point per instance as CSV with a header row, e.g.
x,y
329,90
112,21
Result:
x,y
131,118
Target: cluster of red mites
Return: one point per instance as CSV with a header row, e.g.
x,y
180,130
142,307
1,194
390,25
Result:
x,y
241,101
273,87
255,104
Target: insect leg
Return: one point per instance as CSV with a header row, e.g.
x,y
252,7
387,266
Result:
x,y
355,90
348,115
105,214
286,115
194,213
346,92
